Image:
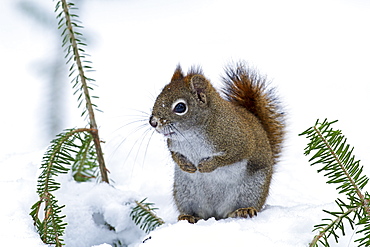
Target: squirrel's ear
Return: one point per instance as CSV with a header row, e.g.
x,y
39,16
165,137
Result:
x,y
178,75
199,85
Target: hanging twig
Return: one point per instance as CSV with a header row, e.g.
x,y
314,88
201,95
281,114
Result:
x,y
85,89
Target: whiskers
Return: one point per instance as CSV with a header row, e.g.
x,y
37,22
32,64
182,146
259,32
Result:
x,y
136,148
130,143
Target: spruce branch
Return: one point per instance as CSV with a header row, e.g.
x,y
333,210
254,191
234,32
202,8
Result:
x,y
75,54
79,148
335,155
143,215
56,160
84,167
327,230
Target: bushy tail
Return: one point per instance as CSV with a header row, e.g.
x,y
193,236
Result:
x,y
246,88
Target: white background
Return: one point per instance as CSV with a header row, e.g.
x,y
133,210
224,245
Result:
x,y
315,52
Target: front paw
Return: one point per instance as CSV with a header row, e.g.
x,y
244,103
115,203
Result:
x,y
188,167
206,166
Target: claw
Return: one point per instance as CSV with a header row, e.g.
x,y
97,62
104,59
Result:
x,y
191,219
243,213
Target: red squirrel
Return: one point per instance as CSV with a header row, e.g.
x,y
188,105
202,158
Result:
x,y
224,147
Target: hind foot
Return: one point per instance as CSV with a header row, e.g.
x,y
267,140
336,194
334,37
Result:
x,y
191,219
243,213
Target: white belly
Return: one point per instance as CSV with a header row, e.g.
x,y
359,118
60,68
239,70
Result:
x,y
213,194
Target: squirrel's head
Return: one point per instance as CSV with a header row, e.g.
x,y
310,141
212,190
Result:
x,y
182,104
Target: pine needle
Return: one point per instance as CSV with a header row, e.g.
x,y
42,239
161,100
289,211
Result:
x,y
144,216
332,152
57,159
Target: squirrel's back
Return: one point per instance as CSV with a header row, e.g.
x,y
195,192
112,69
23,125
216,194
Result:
x,y
244,87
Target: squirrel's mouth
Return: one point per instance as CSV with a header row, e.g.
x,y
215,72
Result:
x,y
169,134
165,133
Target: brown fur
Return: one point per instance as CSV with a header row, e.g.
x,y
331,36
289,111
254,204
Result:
x,y
247,89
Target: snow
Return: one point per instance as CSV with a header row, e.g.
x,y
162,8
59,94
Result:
x,y
292,221
315,52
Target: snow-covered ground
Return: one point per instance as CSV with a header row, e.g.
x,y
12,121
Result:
x,y
315,52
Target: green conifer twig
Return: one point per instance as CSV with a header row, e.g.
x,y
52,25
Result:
x,y
143,215
74,44
340,166
334,154
64,151
58,156
85,166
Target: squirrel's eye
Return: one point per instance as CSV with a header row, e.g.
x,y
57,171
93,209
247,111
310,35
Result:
x,y
180,107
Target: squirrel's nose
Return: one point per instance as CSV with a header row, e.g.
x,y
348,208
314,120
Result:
x,y
153,121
